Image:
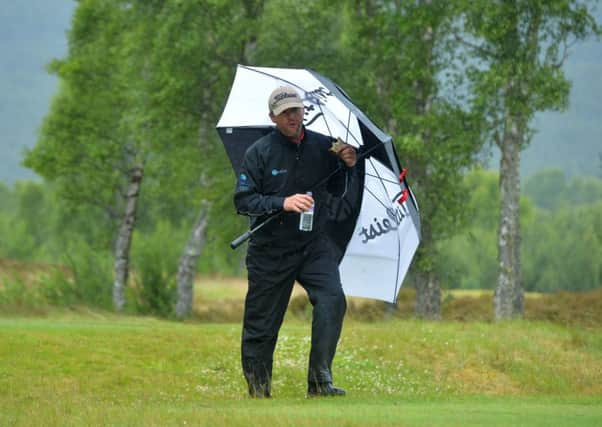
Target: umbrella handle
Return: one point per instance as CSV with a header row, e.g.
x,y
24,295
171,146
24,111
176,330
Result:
x,y
240,239
246,235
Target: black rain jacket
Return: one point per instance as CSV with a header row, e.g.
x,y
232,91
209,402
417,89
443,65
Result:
x,y
274,168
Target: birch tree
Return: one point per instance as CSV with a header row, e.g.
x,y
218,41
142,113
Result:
x,y
404,50
82,147
104,134
518,49
197,46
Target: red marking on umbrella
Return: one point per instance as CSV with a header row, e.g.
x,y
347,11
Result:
x,y
402,175
404,196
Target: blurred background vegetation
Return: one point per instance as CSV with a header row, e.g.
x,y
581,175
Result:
x,y
144,83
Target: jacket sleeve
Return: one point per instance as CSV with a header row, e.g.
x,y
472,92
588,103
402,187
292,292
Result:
x,y
248,198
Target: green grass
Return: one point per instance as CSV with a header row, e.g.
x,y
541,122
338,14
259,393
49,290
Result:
x,y
73,369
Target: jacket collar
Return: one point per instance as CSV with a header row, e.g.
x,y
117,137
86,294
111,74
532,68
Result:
x,y
285,139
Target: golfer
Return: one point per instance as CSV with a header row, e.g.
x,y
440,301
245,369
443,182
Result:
x,y
279,173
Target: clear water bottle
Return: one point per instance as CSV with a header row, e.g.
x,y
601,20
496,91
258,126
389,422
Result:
x,y
306,219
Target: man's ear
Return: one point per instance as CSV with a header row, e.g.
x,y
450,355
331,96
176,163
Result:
x,y
272,117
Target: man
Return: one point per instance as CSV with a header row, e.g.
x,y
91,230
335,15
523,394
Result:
x,y
277,173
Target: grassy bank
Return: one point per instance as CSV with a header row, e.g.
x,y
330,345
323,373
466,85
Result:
x,y
101,369
221,299
30,288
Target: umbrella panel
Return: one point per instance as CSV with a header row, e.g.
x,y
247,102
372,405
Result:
x,y
237,140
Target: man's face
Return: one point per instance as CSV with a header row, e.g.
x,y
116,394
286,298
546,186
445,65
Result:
x,y
289,121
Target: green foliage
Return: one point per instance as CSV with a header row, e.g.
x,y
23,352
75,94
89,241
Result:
x,y
84,277
89,275
404,49
15,242
81,279
24,221
561,246
81,148
17,296
547,188
469,259
518,49
550,190
154,264
314,45
218,257
36,224
569,243
7,199
144,82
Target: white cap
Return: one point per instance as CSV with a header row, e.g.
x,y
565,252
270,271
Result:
x,y
283,98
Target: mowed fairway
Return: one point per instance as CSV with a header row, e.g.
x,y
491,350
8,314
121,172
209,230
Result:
x,y
100,369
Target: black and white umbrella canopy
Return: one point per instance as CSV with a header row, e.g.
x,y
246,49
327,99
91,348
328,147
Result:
x,y
380,239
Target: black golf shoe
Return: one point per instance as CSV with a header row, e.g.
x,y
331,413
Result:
x,y
324,389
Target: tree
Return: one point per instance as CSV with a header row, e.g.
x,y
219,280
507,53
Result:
x,y
82,147
408,84
107,127
518,48
193,86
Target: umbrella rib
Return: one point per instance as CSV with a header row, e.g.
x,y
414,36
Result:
x,y
381,178
347,127
342,124
273,76
325,121
376,197
397,273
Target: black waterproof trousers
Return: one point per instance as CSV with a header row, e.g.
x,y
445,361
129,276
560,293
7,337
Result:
x,y
272,272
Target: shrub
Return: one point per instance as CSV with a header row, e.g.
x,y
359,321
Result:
x,y
85,278
155,261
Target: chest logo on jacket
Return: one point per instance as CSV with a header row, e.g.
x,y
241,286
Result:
x,y
243,182
276,172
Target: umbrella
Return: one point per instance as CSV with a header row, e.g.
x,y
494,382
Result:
x,y
378,241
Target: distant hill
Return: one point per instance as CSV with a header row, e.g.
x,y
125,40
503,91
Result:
x,y
32,32
571,140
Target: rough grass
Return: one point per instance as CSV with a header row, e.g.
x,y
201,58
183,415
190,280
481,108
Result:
x,y
101,369
220,299
78,366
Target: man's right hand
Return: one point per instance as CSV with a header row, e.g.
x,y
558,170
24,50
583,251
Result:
x,y
298,203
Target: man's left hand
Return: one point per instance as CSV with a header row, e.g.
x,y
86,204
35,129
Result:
x,y
348,155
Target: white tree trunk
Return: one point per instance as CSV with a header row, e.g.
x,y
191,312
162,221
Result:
x,y
124,238
508,298
187,266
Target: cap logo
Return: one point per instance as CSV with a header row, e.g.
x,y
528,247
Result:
x,y
282,98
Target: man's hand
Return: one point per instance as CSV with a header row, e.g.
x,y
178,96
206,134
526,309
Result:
x,y
345,152
298,203
348,155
